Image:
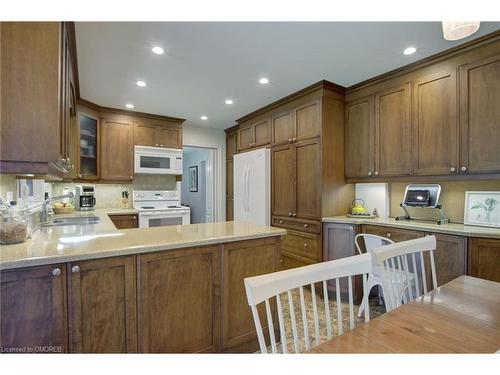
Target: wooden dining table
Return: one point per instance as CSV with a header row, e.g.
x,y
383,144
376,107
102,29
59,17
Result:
x,y
462,316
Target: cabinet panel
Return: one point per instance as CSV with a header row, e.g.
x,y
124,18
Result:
x,y
116,150
307,121
449,258
145,135
303,245
480,115
288,261
125,221
261,133
435,125
245,137
170,137
283,180
308,226
395,234
359,133
240,260
33,308
229,179
484,258
179,295
231,144
308,180
282,128
103,306
88,147
393,132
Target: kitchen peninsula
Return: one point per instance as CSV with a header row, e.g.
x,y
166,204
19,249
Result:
x,y
94,288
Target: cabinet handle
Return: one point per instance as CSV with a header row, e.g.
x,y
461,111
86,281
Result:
x,y
135,217
80,176
294,139
161,145
156,144
388,235
289,140
369,174
463,169
376,173
306,245
294,214
306,226
75,269
56,272
290,214
452,169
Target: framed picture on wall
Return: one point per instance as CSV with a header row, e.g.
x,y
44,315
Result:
x,y
482,208
193,179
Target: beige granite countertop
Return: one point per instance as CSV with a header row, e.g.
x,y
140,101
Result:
x,y
451,228
61,244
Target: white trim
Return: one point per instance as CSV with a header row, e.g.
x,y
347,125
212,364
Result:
x,y
219,175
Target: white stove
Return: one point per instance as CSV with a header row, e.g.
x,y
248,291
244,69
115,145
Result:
x,y
159,208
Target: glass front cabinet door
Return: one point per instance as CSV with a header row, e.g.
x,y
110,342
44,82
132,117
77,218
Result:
x,y
88,147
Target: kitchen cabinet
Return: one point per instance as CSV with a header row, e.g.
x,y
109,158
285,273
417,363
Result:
x,y
231,143
450,258
282,128
254,135
307,121
38,94
394,234
302,245
359,135
393,132
435,124
239,260
179,308
168,136
87,163
229,190
128,221
117,159
33,309
289,261
484,258
102,307
479,115
283,180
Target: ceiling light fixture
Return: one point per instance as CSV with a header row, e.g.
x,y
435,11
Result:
x,y
129,105
460,29
141,83
204,118
263,81
228,101
157,50
409,51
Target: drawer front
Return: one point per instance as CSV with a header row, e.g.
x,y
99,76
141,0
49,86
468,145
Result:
x,y
395,234
308,226
304,245
288,262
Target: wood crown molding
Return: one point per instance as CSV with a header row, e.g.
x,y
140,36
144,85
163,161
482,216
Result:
x,y
485,39
323,84
117,111
231,129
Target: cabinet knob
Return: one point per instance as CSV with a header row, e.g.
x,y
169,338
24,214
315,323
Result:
x,y
156,144
80,176
281,221
369,174
281,260
306,245
161,145
135,217
131,177
294,214
388,235
56,272
75,269
289,140
453,169
290,214
306,226
376,173
463,169
294,139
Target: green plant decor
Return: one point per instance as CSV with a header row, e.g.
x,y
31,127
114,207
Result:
x,y
488,207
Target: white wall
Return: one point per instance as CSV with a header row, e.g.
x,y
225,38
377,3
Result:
x,y
211,138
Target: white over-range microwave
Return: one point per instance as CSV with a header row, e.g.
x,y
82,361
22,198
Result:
x,y
157,160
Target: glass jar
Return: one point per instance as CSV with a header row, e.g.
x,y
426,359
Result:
x,y
13,227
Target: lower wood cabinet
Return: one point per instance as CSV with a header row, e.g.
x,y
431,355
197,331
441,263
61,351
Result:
x,y
179,299
240,260
33,310
450,258
395,234
102,305
302,245
128,221
484,258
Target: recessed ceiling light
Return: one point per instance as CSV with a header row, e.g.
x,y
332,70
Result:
x,y
204,118
129,105
263,81
141,83
157,50
228,101
410,51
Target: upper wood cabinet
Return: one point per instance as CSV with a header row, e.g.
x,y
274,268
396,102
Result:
x,y
254,135
179,310
153,135
435,124
231,144
282,128
308,179
231,150
480,116
33,308
88,153
393,132
359,136
117,158
103,305
283,180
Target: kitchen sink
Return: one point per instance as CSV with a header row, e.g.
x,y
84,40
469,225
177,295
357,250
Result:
x,y
79,220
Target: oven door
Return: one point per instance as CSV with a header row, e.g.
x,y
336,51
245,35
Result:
x,y
163,218
155,160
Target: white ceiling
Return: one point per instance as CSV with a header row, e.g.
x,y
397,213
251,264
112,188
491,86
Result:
x,y
206,63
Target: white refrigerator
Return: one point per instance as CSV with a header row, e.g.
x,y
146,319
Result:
x,y
252,186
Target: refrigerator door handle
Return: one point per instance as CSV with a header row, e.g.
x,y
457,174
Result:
x,y
247,194
246,188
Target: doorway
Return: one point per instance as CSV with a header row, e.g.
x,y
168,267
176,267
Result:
x,y
198,183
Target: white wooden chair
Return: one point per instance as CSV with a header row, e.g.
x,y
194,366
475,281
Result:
x,y
262,289
397,261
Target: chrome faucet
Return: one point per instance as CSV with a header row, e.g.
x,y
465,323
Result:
x,y
44,215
